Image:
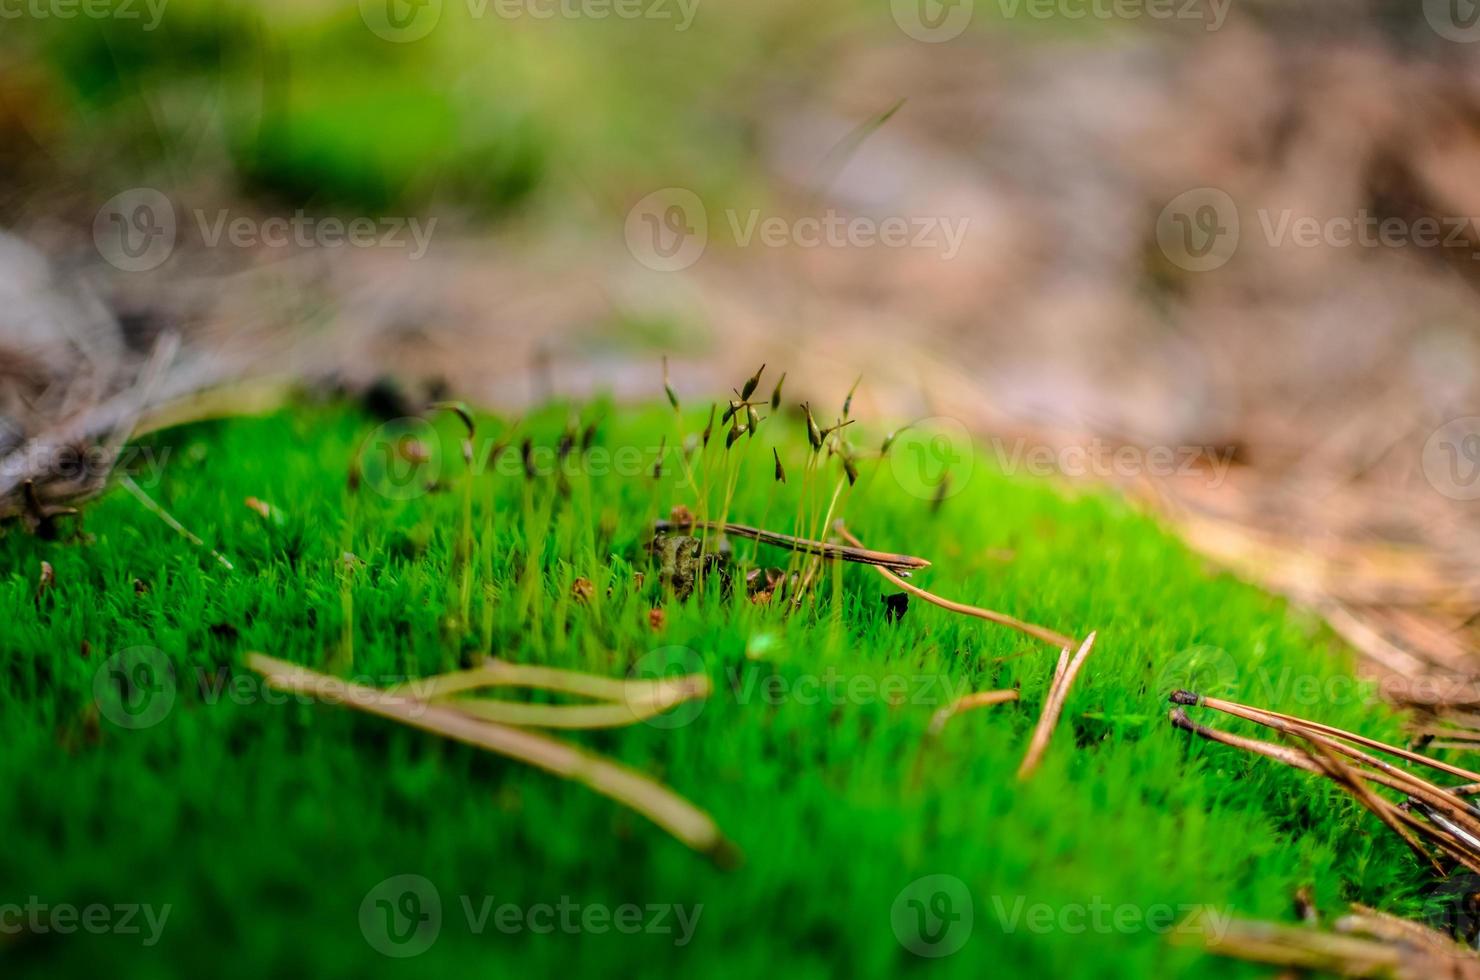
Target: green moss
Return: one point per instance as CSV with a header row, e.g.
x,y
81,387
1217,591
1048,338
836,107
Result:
x,y
265,825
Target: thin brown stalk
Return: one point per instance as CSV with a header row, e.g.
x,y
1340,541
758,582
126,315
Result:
x,y
968,702
658,803
1002,619
821,549
1064,675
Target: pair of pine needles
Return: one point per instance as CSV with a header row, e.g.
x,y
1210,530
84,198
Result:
x,y
444,705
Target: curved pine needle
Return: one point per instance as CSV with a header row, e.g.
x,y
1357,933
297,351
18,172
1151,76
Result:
x,y
499,673
612,714
1002,619
968,702
658,803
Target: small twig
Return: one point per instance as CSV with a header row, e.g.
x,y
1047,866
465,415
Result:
x,y
821,549
968,702
1002,619
658,803
1054,705
150,505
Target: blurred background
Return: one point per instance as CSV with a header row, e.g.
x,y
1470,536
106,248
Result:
x,y
1242,228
